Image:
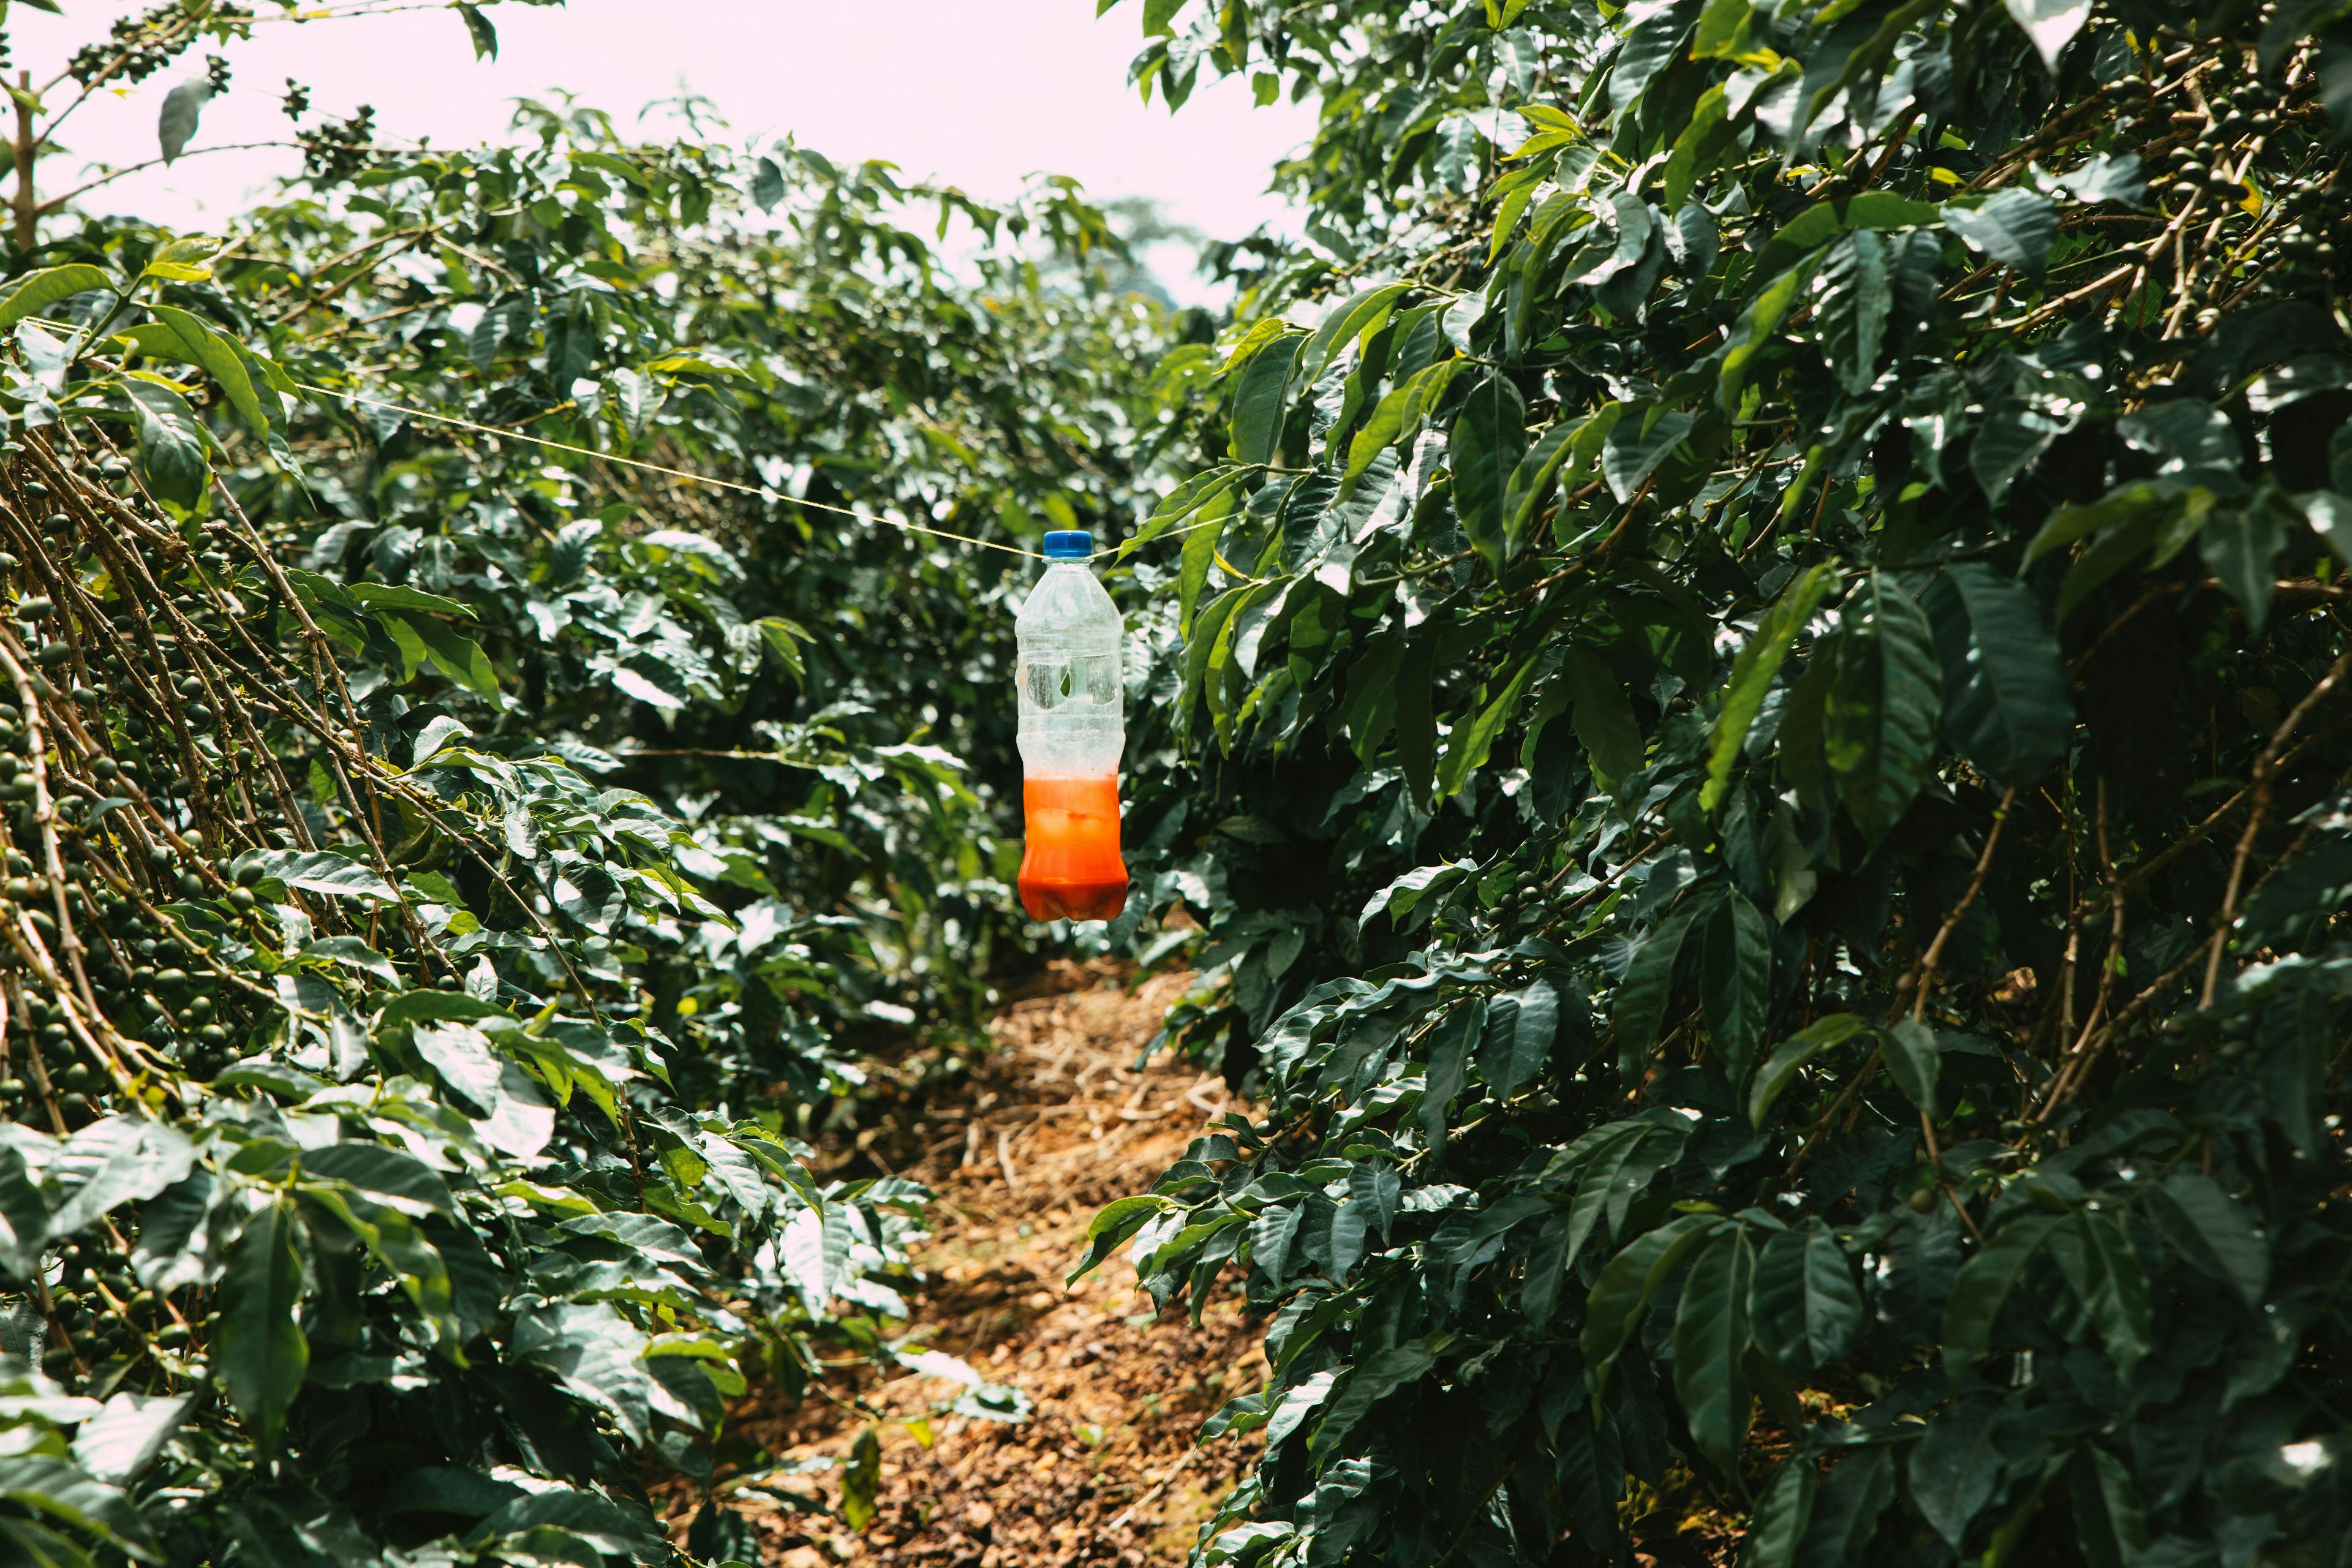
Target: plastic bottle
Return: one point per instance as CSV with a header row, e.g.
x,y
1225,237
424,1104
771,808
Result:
x,y
1073,730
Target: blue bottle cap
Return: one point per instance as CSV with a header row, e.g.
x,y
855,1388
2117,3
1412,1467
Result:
x,y
1069,544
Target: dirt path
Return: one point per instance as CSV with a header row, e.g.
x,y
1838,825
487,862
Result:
x,y
1052,1124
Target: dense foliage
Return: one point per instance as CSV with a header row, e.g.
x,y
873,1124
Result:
x,y
1738,695
447,875
1745,679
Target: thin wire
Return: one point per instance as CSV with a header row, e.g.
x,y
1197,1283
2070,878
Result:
x,y
762,491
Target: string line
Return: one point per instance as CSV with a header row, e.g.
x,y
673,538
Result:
x,y
762,491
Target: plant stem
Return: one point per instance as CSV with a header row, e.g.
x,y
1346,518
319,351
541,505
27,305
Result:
x,y
28,208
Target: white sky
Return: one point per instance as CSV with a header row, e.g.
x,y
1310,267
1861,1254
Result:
x,y
979,93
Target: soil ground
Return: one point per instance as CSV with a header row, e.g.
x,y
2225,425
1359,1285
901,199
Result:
x,y
1057,1120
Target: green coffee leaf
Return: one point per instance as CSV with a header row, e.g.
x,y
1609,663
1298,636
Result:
x,y
1846,1509
1763,317
181,105
1958,1467
2118,1298
1807,1310
1488,436
202,344
2009,707
260,1351
36,292
24,1220
1532,478
1711,1336
117,1444
1856,294
1879,720
1449,1045
2240,546
1912,1059
2111,1522
2014,226
171,443
115,1161
2213,1232
1782,1515
1639,1008
1780,1071
2050,24
1469,746
1752,673
1735,983
1262,398
1603,718
1636,448
54,1489
1984,1284
317,871
399,596
1533,1017
1622,1295
485,37
1351,320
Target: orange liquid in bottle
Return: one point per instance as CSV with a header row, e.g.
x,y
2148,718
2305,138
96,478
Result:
x,y
1070,869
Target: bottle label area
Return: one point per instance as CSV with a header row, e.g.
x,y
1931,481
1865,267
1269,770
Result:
x,y
1070,866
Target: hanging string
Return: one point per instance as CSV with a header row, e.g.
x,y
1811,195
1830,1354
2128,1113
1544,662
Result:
x,y
762,491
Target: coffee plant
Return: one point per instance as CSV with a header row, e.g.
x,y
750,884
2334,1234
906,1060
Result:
x,y
447,875
1745,687
347,1138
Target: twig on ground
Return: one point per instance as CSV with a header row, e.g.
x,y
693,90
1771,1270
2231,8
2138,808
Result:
x,y
1152,1496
